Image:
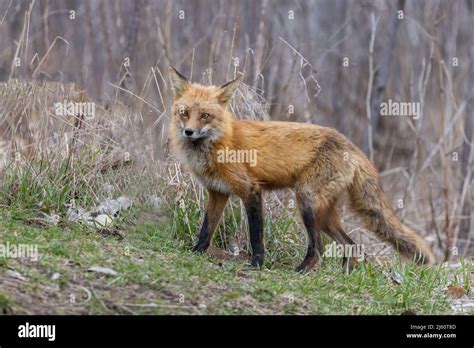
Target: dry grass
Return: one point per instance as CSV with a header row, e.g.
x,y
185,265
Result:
x,y
50,162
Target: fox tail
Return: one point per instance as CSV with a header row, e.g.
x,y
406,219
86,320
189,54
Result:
x,y
369,201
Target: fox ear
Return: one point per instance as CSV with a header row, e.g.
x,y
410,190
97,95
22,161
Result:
x,y
226,91
178,83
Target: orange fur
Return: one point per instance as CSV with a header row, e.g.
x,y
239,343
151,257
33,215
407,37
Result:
x,y
319,163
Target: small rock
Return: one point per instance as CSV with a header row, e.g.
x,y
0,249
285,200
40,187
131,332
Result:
x,y
397,278
109,189
51,219
463,304
15,274
103,270
124,202
103,220
78,215
155,201
113,206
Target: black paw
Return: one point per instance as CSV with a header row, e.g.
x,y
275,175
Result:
x,y
257,261
200,248
301,268
307,265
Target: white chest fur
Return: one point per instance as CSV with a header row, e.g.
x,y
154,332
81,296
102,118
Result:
x,y
215,184
197,159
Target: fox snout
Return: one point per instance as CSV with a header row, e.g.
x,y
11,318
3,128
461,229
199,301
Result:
x,y
188,132
195,133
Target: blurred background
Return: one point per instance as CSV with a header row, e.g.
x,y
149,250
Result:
x,y
330,62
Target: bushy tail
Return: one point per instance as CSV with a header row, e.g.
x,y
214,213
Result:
x,y
369,200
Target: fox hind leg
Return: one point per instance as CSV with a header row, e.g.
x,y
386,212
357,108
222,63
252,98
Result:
x,y
349,262
310,220
334,230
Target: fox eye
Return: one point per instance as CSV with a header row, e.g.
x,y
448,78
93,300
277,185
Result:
x,y
183,113
205,115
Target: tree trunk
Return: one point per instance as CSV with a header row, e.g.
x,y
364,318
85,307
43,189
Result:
x,y
465,241
381,78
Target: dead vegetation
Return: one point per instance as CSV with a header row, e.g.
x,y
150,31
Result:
x,y
115,54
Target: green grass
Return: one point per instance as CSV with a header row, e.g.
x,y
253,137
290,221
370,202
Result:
x,y
285,240
157,274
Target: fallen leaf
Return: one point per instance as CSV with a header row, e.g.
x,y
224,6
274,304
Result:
x,y
241,274
217,253
456,291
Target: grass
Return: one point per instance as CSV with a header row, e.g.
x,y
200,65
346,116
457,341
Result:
x,y
157,274
146,252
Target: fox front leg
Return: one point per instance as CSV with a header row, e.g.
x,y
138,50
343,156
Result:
x,y
254,208
215,208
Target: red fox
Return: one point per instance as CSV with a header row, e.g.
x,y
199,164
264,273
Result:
x,y
318,163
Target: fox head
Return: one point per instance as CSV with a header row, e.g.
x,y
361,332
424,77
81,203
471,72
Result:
x,y
200,112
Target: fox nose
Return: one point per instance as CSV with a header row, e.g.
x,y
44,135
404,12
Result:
x,y
188,132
